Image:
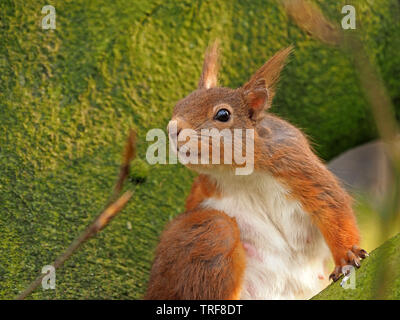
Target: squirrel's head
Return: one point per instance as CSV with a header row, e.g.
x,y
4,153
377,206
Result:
x,y
223,109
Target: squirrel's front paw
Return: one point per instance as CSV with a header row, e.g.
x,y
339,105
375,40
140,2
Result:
x,y
353,258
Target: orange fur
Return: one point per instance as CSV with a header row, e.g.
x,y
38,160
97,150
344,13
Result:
x,y
209,76
294,164
199,256
268,74
202,189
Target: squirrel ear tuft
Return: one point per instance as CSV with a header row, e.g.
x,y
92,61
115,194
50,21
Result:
x,y
260,89
209,76
257,97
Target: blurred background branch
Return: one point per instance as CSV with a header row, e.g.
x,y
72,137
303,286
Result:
x,y
311,19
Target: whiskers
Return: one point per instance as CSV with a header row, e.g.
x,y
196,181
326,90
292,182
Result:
x,y
217,147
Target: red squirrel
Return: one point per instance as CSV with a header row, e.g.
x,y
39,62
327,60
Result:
x,y
266,235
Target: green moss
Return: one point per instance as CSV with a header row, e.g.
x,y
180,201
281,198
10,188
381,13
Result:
x,y
68,97
383,260
139,171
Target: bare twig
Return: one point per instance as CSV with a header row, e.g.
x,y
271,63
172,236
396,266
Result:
x,y
128,156
111,210
308,17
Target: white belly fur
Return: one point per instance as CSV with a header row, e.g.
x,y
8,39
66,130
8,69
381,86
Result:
x,y
290,250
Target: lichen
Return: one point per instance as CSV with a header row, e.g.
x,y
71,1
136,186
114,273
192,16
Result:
x,y
369,284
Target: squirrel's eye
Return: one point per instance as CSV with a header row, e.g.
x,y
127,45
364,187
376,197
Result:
x,y
222,115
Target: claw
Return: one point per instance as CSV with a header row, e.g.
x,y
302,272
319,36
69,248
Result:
x,y
334,277
359,252
336,274
353,257
363,254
